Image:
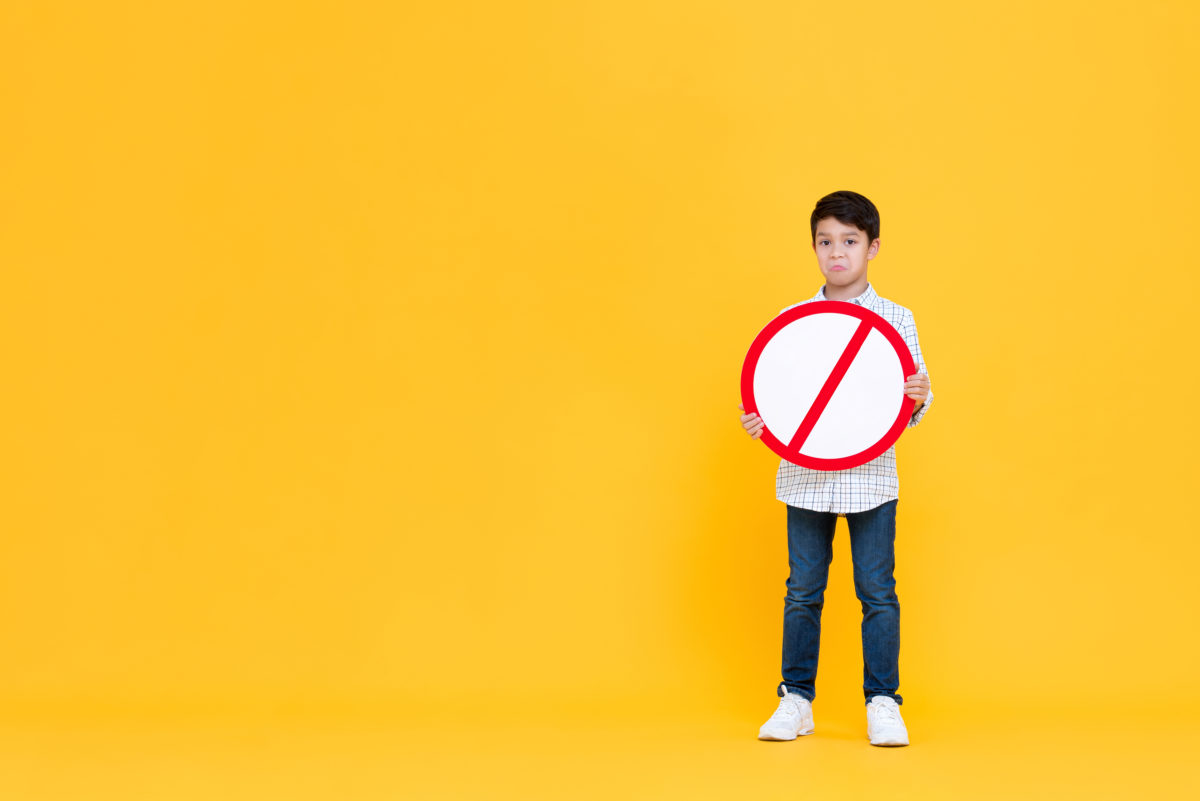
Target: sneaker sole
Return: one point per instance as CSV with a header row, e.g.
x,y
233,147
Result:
x,y
773,738
890,744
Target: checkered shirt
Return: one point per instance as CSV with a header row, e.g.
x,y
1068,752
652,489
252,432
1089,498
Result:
x,y
868,485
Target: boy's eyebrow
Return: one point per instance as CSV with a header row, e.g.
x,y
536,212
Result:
x,y
847,233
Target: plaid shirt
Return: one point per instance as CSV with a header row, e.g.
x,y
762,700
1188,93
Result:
x,y
868,485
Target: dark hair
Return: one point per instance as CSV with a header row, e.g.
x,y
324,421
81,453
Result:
x,y
848,208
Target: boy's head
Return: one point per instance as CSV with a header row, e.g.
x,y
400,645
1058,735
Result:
x,y
850,208
845,232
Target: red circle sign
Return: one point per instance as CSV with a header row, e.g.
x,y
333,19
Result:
x,y
864,323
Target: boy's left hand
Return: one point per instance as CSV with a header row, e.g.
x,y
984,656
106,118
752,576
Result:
x,y
917,388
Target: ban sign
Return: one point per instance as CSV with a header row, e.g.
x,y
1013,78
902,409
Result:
x,y
827,379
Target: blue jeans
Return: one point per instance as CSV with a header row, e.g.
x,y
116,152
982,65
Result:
x,y
810,550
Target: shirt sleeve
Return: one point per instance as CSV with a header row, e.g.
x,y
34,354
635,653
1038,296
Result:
x,y
910,338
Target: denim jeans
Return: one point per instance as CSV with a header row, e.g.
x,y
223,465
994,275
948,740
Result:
x,y
810,550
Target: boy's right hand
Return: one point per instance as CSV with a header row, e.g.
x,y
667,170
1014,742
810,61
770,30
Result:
x,y
752,423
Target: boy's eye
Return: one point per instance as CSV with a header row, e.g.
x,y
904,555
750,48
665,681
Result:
x,y
849,241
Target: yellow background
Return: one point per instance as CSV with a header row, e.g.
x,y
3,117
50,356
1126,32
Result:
x,y
371,384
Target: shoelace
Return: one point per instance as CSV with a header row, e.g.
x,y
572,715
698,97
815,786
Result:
x,y
887,713
788,705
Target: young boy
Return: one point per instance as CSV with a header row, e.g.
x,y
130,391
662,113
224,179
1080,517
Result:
x,y
845,231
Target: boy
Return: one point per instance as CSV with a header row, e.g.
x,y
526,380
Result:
x,y
845,232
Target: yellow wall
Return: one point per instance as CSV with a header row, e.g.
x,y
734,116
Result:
x,y
368,353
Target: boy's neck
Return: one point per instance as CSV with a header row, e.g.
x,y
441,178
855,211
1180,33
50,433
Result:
x,y
845,292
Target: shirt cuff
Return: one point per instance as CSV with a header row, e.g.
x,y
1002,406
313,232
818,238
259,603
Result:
x,y
916,418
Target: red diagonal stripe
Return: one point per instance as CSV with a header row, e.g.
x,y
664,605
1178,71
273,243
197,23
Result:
x,y
831,384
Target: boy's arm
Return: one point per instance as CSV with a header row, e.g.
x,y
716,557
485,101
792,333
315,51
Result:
x,y
920,382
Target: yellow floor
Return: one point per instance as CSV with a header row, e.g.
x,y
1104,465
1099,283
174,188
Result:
x,y
581,754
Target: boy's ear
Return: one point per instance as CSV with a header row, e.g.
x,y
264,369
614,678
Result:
x,y
872,250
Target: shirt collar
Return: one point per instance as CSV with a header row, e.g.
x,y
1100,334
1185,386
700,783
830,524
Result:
x,y
867,298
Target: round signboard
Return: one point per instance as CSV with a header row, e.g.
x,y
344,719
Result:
x,y
827,379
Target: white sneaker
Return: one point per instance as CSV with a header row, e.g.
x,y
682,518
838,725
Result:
x,y
792,718
884,724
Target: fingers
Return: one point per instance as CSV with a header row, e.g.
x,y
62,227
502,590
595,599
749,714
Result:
x,y
917,387
917,380
752,423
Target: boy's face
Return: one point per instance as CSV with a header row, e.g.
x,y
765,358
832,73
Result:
x,y
842,253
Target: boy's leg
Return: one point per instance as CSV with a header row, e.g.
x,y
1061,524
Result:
x,y
873,546
810,549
